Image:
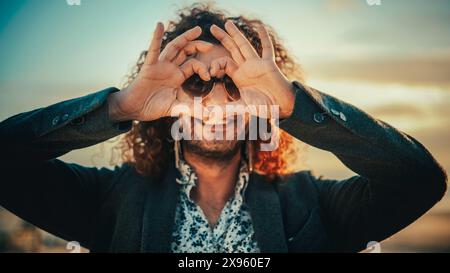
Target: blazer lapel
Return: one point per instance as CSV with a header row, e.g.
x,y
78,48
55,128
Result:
x,y
260,196
159,213
265,211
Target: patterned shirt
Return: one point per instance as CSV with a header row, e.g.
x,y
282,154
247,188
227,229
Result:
x,y
233,231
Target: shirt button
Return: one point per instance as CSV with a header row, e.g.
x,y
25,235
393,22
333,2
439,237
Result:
x,y
55,120
342,116
319,117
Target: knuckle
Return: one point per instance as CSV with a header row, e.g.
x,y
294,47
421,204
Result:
x,y
177,46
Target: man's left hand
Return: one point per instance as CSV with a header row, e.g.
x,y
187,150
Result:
x,y
259,79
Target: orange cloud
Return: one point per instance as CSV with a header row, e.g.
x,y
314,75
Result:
x,y
411,70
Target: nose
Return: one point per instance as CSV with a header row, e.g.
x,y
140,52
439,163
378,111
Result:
x,y
217,96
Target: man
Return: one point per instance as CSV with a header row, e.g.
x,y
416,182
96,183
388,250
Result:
x,y
201,195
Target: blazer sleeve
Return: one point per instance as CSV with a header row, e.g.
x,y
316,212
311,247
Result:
x,y
58,197
398,179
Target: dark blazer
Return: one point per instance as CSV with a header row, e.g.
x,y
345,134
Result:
x,y
121,211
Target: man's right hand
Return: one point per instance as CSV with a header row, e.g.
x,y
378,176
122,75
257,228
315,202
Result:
x,y
153,93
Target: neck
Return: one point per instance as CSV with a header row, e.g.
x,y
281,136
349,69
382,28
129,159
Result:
x,y
216,178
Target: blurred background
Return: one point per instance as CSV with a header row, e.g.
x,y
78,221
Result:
x,y
390,58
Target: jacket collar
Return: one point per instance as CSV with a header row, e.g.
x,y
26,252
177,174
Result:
x,y
159,213
265,209
160,207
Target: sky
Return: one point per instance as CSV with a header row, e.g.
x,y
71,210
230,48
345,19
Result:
x,y
391,60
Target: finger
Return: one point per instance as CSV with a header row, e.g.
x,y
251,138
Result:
x,y
217,72
197,46
181,57
179,108
241,41
173,47
228,43
155,45
192,48
220,74
225,64
268,51
195,66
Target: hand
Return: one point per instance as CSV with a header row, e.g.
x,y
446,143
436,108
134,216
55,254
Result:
x,y
259,79
153,93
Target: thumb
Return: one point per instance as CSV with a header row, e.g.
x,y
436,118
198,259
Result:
x,y
179,109
223,65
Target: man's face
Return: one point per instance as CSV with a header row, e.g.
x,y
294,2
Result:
x,y
218,149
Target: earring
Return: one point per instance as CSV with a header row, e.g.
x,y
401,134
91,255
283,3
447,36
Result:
x,y
176,150
250,155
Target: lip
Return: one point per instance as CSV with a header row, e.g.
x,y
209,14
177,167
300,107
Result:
x,y
219,125
225,122
215,128
222,126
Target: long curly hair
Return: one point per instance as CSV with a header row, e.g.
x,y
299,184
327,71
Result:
x,y
148,146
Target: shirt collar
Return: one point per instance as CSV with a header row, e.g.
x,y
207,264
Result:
x,y
188,179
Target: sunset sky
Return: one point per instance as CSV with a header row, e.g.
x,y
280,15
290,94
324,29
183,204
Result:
x,y
391,60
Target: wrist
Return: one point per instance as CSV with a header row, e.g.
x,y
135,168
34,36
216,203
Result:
x,y
288,99
115,111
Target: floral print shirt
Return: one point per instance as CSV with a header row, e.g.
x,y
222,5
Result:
x,y
233,232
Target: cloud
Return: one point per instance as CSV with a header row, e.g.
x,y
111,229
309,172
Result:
x,y
338,5
437,141
407,70
396,110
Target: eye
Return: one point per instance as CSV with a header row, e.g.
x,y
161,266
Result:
x,y
195,86
231,88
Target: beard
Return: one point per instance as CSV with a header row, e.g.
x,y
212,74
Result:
x,y
214,150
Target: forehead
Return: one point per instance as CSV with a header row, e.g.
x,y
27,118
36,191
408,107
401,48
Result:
x,y
216,51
